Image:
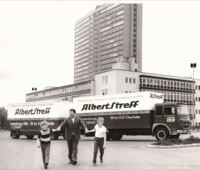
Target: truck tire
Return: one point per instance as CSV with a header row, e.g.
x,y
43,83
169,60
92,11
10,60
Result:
x,y
30,136
108,137
63,135
14,135
161,133
174,136
54,136
116,136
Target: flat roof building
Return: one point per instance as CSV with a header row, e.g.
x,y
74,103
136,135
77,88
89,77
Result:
x,y
109,33
62,93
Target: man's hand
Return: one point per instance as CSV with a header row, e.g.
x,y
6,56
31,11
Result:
x,y
54,130
58,129
86,130
38,146
104,146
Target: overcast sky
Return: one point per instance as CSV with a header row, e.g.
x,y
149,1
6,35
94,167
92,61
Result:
x,y
37,42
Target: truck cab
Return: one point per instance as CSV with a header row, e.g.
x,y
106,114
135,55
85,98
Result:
x,y
170,120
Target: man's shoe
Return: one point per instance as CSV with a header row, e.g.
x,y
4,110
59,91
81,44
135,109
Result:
x,y
94,163
74,162
70,162
45,165
101,160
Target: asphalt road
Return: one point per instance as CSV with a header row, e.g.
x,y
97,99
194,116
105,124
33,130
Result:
x,y
129,153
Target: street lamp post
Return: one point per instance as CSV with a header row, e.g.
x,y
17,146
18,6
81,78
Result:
x,y
34,88
193,66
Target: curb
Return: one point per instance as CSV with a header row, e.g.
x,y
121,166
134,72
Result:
x,y
174,146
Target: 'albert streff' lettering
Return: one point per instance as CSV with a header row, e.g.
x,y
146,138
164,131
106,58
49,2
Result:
x,y
115,105
32,112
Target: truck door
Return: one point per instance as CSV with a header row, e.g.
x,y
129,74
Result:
x,y
158,114
169,116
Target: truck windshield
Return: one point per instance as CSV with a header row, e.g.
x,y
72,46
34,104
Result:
x,y
182,110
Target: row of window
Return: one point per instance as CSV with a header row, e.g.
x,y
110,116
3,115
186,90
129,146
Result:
x,y
81,65
82,57
82,39
109,43
81,69
81,78
82,43
111,36
83,72
130,80
109,61
99,16
165,83
79,35
113,50
103,68
112,21
77,53
111,31
112,26
129,91
84,47
116,54
111,16
60,91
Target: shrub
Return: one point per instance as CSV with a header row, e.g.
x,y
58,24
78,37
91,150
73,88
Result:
x,y
189,140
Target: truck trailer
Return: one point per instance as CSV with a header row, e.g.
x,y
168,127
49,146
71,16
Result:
x,y
139,113
25,118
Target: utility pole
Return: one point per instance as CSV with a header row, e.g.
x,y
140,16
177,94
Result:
x,y
193,66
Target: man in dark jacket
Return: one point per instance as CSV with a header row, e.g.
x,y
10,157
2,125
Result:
x,y
72,134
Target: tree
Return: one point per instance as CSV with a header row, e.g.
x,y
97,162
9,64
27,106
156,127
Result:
x,y
3,118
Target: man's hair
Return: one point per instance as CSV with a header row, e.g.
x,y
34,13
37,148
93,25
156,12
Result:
x,y
72,110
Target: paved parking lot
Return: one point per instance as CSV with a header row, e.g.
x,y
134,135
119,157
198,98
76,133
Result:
x,y
129,153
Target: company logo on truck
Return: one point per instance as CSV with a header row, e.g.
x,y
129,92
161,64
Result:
x,y
114,105
155,96
32,111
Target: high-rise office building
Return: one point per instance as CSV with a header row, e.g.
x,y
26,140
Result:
x,y
110,33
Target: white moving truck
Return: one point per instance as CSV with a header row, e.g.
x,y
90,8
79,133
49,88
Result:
x,y
139,113
24,118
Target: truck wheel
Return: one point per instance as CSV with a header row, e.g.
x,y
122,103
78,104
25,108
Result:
x,y
161,133
108,137
174,136
14,135
63,135
30,136
53,136
116,136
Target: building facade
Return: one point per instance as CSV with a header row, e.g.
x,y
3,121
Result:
x,y
105,35
62,93
175,89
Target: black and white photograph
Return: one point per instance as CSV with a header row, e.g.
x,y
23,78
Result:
x,y
106,85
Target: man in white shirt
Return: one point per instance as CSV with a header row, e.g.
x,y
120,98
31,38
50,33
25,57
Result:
x,y
99,140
